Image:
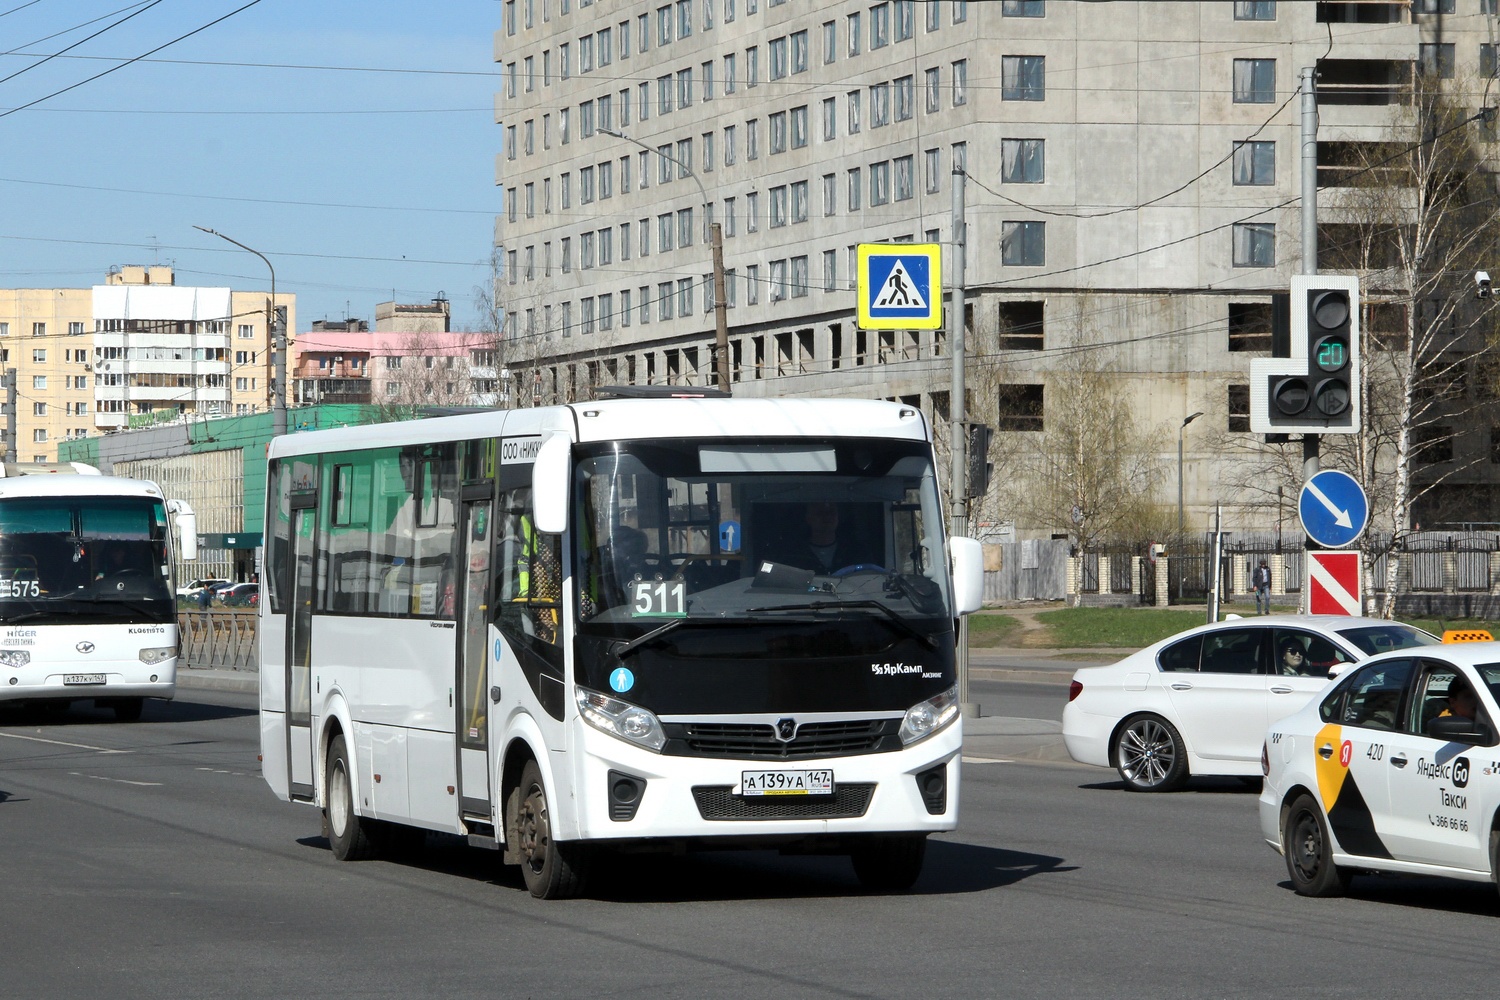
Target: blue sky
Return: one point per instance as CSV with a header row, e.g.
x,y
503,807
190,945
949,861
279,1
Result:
x,y
362,182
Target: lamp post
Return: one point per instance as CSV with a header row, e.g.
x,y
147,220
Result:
x,y
1180,538
716,239
278,339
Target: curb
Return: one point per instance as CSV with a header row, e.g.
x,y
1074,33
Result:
x,y
238,681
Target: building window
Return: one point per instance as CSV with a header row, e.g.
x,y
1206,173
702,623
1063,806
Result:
x,y
830,194
932,86
1254,81
904,98
880,26
1023,161
853,28
1255,10
853,102
799,201
855,186
39,356
880,183
830,42
905,180
1435,59
752,212
800,52
778,132
799,277
39,329
1019,407
1254,244
932,169
778,280
1431,445
778,58
830,119
778,207
799,127
1250,326
1239,407
1023,244
1255,163
1022,78
752,139
830,270
1021,325
1023,8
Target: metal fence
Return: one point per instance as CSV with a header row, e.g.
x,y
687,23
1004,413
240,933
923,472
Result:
x,y
221,638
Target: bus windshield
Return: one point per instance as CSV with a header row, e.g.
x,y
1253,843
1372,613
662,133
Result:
x,y
770,530
96,557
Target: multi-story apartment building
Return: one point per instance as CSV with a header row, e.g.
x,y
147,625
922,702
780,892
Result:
x,y
1131,171
136,350
412,358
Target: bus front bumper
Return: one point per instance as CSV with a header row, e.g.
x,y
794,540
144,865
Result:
x,y
98,679
629,793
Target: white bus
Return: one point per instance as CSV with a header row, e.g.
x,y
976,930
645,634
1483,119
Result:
x,y
87,604
619,624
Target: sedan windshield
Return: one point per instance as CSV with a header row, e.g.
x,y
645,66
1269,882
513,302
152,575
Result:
x,y
1372,639
806,530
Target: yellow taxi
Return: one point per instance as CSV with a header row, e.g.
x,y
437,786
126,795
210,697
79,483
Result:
x,y
1395,768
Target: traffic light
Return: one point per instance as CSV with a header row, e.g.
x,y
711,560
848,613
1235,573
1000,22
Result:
x,y
1316,389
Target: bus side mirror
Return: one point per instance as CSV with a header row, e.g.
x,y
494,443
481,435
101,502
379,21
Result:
x,y
187,530
967,556
549,484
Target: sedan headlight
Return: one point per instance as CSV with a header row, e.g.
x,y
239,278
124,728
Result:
x,y
158,654
926,718
14,657
621,719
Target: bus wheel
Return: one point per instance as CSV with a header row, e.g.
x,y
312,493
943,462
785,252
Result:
x,y
890,862
346,831
128,709
551,870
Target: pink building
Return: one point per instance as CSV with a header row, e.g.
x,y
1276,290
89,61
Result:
x,y
357,366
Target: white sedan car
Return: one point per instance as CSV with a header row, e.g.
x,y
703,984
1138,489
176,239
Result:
x,y
1199,702
1395,769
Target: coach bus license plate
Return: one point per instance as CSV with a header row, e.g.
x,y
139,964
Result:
x,y
83,678
786,782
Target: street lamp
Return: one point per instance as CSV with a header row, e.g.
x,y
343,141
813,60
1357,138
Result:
x,y
1182,571
278,339
716,238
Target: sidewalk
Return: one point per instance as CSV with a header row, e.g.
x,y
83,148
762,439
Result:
x,y
213,679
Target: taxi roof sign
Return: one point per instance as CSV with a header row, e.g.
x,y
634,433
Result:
x,y
899,286
1467,635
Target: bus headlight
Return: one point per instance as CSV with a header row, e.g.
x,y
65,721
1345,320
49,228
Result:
x,y
14,657
158,654
621,719
924,719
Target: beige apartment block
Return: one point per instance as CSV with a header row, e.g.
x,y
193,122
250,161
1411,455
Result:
x,y
1132,175
135,350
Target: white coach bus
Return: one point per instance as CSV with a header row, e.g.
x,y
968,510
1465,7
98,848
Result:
x,y
636,624
88,609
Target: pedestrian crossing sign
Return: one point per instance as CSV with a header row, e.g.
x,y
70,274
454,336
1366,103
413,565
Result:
x,y
900,286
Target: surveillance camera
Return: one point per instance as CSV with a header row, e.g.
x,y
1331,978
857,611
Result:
x,y
1482,284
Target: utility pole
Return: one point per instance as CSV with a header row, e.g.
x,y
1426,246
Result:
x,y
959,438
276,321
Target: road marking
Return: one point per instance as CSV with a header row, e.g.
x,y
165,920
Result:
x,y
122,781
986,760
61,743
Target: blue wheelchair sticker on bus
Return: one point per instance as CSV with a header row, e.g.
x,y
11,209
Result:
x,y
498,648
622,680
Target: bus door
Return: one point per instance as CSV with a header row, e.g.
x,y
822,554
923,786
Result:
x,y
473,682
300,745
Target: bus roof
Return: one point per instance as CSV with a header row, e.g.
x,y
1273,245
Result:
x,y
85,486
633,419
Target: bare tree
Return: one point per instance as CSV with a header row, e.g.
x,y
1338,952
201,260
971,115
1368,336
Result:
x,y
1417,219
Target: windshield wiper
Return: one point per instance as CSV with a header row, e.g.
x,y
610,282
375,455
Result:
x,y
904,625
624,649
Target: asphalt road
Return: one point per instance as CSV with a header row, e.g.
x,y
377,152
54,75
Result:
x,y
150,859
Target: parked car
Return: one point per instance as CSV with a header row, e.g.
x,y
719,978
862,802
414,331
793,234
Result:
x,y
191,590
1199,702
239,595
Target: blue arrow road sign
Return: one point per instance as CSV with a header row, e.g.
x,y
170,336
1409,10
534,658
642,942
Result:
x,y
1333,508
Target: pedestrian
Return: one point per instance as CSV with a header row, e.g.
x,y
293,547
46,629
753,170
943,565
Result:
x,y
1260,580
202,598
